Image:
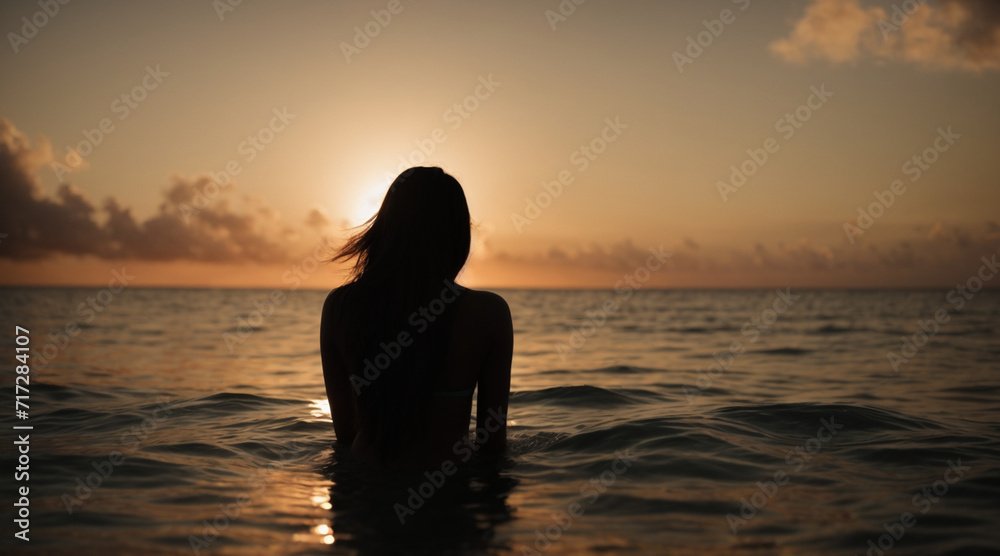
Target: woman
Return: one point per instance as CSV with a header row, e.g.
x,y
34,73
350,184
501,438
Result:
x,y
403,346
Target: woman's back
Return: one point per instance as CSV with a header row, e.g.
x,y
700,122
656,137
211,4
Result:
x,y
477,346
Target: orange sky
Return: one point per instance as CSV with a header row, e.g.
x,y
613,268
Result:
x,y
204,148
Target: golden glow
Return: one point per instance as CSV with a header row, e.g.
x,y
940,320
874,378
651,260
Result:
x,y
323,531
366,202
560,168
320,409
321,498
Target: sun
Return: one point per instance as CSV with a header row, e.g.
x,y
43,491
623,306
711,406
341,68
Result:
x,y
366,201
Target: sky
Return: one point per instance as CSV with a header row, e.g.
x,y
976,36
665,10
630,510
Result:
x,y
751,144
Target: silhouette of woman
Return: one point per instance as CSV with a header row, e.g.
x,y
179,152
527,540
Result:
x,y
403,346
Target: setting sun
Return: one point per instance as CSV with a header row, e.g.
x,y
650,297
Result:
x,y
366,202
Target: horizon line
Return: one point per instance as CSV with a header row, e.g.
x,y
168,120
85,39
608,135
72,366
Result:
x,y
531,289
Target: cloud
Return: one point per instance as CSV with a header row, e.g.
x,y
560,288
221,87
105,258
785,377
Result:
x,y
623,256
959,35
189,223
830,29
317,218
938,248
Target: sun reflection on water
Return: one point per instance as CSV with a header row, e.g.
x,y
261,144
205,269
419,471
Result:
x,y
320,409
325,532
321,498
321,532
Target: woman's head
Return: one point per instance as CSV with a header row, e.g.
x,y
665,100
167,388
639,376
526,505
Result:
x,y
422,230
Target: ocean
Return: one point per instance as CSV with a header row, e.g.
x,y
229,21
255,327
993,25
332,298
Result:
x,y
186,421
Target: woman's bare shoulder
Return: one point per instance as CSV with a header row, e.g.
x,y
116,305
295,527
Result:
x,y
335,299
482,301
484,311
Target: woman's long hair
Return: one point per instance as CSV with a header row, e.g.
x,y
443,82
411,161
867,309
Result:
x,y
404,257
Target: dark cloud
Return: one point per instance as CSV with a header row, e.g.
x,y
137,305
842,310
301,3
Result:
x,y
978,34
190,223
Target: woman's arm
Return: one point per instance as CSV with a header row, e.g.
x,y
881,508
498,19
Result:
x,y
335,372
494,378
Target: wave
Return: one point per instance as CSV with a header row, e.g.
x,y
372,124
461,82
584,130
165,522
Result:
x,y
794,418
784,351
231,400
834,329
586,396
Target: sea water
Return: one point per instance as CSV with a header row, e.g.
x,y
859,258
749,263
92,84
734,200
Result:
x,y
185,421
